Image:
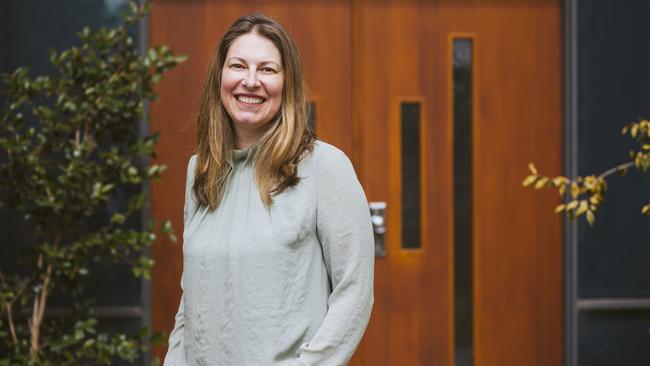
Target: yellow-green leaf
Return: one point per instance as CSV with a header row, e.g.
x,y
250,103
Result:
x,y
596,199
529,180
582,208
571,205
559,181
559,208
646,209
532,168
590,217
575,190
541,182
590,182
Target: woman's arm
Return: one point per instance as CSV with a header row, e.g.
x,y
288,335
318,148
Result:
x,y
345,233
176,349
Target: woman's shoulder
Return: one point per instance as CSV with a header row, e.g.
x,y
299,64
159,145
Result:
x,y
325,152
191,163
330,159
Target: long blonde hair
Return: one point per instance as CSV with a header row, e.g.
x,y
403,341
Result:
x,y
287,140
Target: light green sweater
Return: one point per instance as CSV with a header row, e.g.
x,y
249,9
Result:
x,y
286,285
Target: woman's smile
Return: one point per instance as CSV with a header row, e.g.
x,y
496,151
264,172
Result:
x,y
249,99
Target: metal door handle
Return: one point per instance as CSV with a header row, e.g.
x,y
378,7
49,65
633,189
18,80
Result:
x,y
378,218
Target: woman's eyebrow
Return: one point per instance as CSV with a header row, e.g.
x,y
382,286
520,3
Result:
x,y
270,62
239,59
236,59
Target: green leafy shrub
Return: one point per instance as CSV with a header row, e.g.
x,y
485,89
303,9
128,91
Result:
x,y
71,149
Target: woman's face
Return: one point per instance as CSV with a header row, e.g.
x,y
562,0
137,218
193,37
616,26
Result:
x,y
251,86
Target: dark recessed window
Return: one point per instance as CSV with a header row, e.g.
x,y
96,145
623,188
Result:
x,y
410,121
462,120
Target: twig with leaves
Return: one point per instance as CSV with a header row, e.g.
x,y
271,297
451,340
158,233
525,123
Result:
x,y
586,194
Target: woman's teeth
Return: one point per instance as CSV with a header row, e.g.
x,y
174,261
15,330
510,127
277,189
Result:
x,y
249,100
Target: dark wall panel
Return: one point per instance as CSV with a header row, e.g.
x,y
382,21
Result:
x,y
614,338
613,90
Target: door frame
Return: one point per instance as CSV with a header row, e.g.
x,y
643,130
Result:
x,y
570,155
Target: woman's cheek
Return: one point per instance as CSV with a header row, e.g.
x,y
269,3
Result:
x,y
228,80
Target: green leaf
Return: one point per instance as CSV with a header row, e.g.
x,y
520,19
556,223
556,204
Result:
x,y
107,188
168,229
181,58
118,218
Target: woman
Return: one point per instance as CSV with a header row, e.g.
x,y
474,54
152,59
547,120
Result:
x,y
278,249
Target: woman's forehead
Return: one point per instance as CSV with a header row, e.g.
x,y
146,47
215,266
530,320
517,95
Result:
x,y
254,48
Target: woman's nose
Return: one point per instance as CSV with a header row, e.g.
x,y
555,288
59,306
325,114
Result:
x,y
251,80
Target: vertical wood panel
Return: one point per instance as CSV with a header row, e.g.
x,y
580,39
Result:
x,y
410,324
182,26
517,118
518,244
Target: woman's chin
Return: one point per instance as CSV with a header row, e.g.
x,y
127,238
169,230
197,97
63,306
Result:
x,y
250,125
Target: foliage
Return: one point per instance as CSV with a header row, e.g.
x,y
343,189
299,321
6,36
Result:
x,y
71,152
586,194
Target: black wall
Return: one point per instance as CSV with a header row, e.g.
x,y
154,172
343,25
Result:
x,y
614,254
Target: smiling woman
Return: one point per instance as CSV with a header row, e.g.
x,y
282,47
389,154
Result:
x,y
278,249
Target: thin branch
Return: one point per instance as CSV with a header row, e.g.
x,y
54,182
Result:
x,y
40,301
34,324
9,309
10,320
616,169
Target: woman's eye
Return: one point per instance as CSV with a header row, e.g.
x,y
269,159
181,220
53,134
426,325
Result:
x,y
269,70
237,66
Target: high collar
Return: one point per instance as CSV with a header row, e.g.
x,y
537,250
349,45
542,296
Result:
x,y
244,156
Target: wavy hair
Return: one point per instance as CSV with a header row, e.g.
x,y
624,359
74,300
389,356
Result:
x,y
287,140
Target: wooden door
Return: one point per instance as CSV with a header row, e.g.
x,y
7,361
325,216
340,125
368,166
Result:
x,y
512,266
371,65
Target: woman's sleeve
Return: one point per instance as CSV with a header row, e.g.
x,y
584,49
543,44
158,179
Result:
x,y
345,232
176,346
